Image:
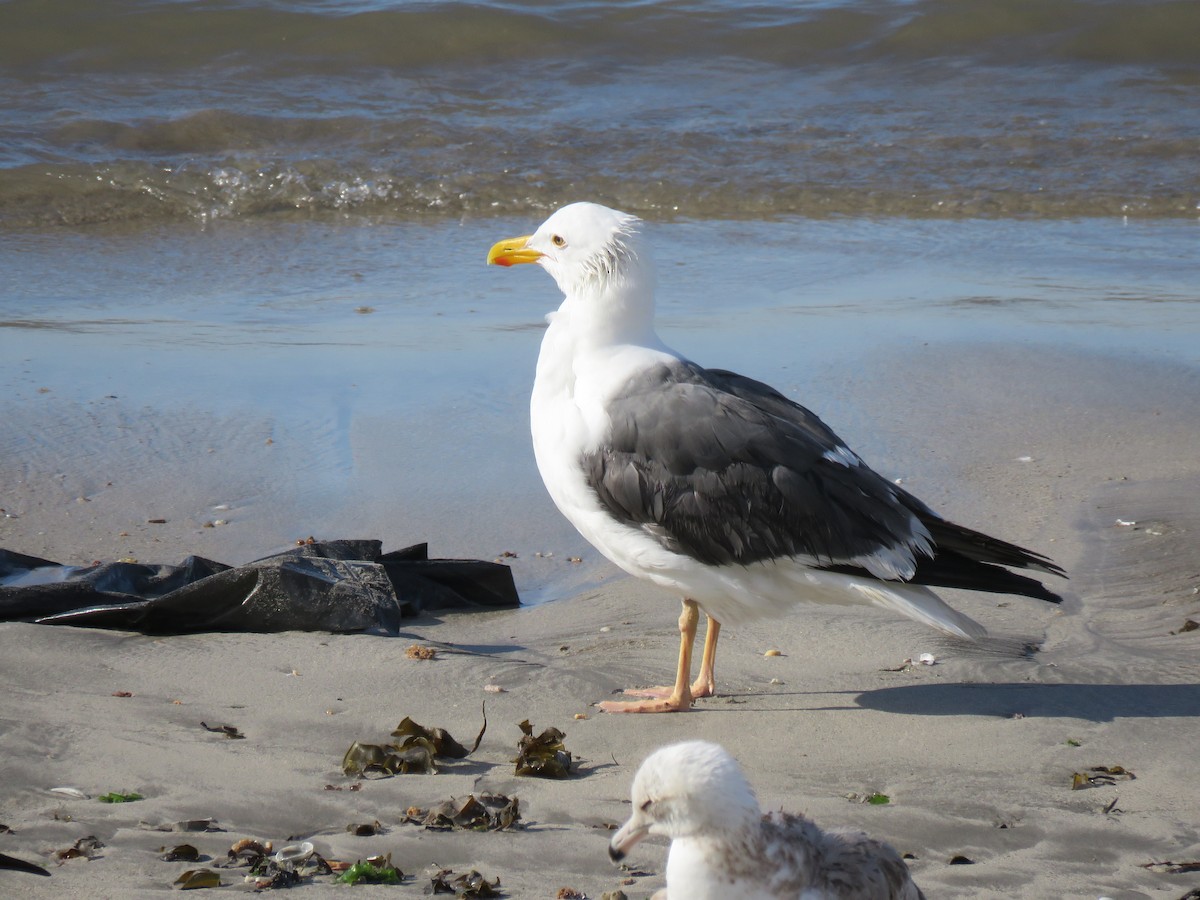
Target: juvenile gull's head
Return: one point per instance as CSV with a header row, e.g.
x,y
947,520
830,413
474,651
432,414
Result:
x,y
686,789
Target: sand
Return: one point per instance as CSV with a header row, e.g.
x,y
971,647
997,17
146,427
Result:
x,y
976,752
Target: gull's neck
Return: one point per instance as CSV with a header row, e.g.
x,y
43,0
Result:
x,y
607,312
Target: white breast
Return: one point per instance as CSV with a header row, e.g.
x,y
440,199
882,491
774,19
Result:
x,y
568,418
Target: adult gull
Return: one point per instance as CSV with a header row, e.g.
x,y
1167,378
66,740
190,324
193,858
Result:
x,y
724,848
714,485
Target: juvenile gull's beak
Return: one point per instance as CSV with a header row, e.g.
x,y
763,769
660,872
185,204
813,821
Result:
x,y
631,832
512,251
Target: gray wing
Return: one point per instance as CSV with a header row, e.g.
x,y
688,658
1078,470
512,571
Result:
x,y
727,470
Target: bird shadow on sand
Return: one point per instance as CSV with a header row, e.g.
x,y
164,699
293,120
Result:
x,y
1091,702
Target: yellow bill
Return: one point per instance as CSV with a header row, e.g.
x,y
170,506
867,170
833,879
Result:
x,y
512,252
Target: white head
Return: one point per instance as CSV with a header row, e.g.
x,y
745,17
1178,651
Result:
x,y
595,255
687,789
584,247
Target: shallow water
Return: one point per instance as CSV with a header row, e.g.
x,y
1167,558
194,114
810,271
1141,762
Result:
x,y
145,112
390,368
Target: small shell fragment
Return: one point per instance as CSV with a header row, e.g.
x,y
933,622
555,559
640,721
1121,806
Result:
x,y
495,689
927,659
73,793
1126,523
773,653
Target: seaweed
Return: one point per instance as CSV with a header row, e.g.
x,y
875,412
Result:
x,y
414,752
180,853
543,756
117,797
1172,868
229,731
194,879
469,884
440,738
374,870
487,812
365,759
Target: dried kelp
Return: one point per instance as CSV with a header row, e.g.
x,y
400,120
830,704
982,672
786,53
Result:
x,y
414,752
1098,776
180,853
1173,868
229,731
373,759
487,812
292,865
193,879
469,884
440,738
543,756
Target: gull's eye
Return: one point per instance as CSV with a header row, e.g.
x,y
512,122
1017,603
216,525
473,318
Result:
x,y
647,805
559,240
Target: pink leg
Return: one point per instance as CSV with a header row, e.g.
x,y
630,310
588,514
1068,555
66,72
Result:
x,y
705,684
680,697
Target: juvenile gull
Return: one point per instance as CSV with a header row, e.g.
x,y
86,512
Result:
x,y
724,848
711,484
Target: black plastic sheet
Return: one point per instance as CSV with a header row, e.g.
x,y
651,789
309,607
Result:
x,y
338,586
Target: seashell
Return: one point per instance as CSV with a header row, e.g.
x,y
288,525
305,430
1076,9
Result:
x,y
927,659
295,853
73,793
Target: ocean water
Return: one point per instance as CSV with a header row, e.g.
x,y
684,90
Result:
x,y
225,216
143,112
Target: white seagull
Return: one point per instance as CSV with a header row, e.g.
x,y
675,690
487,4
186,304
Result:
x,y
724,848
711,484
